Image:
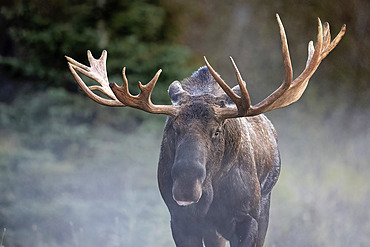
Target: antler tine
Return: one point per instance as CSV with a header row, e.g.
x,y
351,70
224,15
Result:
x,y
148,88
242,103
310,51
125,82
245,100
286,56
221,82
327,36
265,104
335,41
142,101
315,60
97,72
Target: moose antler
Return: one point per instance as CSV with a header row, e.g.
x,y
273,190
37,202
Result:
x,y
119,96
289,91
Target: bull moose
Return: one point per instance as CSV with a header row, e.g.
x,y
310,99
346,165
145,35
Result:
x,y
219,156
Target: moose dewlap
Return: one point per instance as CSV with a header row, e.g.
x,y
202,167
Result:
x,y
219,157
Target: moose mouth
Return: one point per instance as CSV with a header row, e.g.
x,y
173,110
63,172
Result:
x,y
184,203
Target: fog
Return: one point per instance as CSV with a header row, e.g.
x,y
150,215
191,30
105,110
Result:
x,y
106,194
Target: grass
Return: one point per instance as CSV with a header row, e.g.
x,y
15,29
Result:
x,y
2,238
73,174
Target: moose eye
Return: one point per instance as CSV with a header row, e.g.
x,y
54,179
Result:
x,y
217,132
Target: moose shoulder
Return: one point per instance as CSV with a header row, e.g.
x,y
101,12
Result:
x,y
219,157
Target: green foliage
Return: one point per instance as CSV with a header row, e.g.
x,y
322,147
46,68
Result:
x,y
40,38
136,34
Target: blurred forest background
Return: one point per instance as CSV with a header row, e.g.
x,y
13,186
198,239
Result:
x,y
74,173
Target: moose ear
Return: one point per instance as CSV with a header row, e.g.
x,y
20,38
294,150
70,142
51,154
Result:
x,y
226,99
176,92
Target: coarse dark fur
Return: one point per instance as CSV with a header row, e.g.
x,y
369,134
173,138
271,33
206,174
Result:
x,y
224,170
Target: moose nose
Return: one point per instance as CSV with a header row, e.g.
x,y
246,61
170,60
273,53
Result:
x,y
186,193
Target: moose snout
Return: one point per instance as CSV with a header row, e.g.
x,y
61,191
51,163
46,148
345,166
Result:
x,y
186,192
187,182
188,171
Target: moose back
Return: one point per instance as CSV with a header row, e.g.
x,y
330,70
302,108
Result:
x,y
219,157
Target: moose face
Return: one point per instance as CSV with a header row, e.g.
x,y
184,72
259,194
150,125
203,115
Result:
x,y
198,145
